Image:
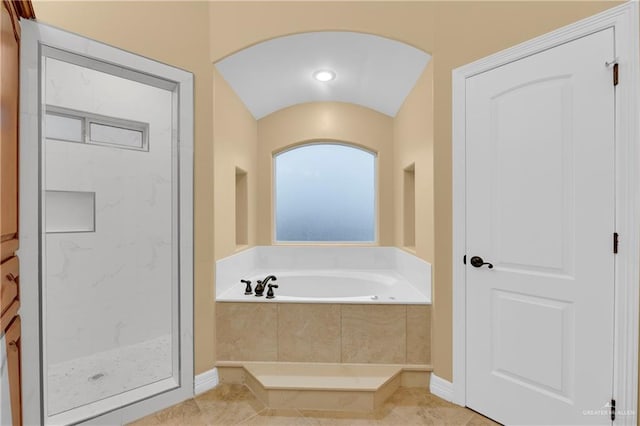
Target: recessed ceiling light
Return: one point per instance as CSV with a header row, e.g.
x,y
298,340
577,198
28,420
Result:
x,y
324,75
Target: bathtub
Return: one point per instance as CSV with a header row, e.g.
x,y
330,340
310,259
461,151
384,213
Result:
x,y
378,275
333,304
335,286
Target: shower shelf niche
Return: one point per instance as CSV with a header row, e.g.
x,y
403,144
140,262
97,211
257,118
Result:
x,y
70,211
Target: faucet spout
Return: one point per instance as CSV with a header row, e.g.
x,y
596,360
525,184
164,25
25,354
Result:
x,y
267,279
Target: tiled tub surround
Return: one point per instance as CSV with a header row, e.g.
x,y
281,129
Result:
x,y
324,333
339,309
316,274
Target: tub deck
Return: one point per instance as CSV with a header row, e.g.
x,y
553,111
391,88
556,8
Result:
x,y
334,286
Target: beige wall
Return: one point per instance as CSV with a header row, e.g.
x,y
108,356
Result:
x,y
176,33
235,144
326,121
413,144
239,24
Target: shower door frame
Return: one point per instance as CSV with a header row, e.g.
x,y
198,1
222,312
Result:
x,y
37,38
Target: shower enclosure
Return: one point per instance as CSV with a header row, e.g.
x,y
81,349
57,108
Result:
x,y
106,164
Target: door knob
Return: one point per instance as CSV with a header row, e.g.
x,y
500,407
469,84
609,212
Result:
x,y
478,262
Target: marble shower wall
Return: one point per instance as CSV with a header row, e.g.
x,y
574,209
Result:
x,y
112,287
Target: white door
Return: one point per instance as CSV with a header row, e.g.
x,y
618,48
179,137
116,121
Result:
x,y
540,210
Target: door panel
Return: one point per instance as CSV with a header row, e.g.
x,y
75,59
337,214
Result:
x,y
535,161
540,209
523,325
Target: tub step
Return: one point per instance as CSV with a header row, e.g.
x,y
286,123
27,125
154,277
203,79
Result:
x,y
330,387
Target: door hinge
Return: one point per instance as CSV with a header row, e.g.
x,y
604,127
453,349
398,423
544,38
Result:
x,y
615,243
615,74
464,259
612,408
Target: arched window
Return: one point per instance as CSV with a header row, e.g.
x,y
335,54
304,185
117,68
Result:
x,y
325,192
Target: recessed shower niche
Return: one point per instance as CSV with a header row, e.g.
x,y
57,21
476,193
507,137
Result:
x,y
70,211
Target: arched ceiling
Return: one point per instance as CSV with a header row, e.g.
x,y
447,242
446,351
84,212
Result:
x,y
371,71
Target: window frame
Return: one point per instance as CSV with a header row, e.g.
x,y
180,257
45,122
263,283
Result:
x,y
87,119
376,195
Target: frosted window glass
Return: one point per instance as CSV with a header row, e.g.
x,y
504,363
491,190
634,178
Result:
x,y
63,128
325,192
102,133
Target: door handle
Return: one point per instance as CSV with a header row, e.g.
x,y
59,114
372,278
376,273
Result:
x,y
478,262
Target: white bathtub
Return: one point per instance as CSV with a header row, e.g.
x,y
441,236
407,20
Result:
x,y
334,286
330,274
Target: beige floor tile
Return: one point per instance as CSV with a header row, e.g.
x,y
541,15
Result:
x,y
271,417
382,416
445,416
185,413
339,418
418,397
480,420
150,420
228,404
434,401
232,404
418,407
229,392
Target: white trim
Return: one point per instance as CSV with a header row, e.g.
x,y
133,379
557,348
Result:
x,y
441,388
624,20
34,37
206,381
627,215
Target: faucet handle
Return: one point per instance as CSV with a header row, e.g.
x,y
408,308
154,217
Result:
x,y
247,289
259,289
270,294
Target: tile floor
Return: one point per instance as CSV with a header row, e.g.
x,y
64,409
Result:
x,y
230,404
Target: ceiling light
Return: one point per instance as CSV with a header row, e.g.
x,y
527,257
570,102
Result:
x,y
324,75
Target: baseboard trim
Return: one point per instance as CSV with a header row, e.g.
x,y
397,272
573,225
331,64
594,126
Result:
x,y
206,381
441,388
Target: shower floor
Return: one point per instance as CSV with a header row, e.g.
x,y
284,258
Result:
x,y
88,379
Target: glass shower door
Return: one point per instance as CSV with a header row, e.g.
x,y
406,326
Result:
x,y
109,188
